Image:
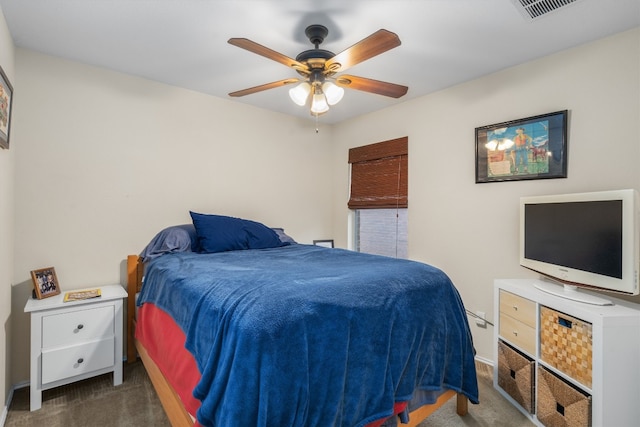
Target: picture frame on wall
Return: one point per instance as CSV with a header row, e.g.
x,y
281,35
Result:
x,y
6,98
530,148
45,282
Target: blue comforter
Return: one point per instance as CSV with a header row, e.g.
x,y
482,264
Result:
x,y
308,336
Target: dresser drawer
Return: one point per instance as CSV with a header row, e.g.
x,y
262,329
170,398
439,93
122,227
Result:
x,y
516,375
518,333
68,362
77,326
519,308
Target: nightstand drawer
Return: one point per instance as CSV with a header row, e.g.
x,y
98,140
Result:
x,y
77,326
75,360
518,333
519,308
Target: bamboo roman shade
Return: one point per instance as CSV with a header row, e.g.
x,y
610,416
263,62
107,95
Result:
x,y
379,175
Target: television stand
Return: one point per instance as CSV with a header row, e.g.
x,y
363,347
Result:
x,y
565,363
570,292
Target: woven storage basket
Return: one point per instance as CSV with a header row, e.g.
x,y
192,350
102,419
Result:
x,y
559,404
566,344
516,375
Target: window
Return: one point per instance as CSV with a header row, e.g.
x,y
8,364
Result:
x,y
379,181
382,232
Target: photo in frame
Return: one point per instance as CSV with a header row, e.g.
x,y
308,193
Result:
x,y
45,282
530,148
324,243
6,97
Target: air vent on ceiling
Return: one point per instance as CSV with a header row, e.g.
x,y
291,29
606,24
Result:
x,y
534,9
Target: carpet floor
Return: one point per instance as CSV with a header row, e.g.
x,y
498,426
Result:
x,y
93,402
492,411
96,402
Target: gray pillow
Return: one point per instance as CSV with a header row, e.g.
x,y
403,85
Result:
x,y
177,238
284,238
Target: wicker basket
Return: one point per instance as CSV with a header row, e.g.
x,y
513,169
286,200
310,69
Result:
x,y
516,375
559,404
566,344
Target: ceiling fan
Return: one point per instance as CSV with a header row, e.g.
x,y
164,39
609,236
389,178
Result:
x,y
318,68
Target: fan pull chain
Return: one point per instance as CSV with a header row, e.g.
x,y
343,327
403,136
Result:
x,y
316,123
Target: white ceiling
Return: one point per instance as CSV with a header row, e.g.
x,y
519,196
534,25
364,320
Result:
x,y
184,42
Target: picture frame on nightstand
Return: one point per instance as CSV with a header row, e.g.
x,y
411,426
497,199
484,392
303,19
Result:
x,y
45,282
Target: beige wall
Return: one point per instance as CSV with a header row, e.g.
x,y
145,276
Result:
x,y
105,160
6,228
470,230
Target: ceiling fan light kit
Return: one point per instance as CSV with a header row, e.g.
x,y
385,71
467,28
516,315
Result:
x,y
333,93
319,103
318,68
300,93
323,95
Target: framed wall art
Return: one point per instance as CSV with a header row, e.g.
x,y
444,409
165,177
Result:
x,y
6,96
45,282
530,148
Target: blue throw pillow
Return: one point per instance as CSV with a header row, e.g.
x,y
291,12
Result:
x,y
217,233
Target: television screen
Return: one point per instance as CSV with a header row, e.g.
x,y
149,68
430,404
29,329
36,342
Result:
x,y
582,235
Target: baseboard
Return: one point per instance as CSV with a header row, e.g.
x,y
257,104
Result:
x,y
5,410
20,385
484,360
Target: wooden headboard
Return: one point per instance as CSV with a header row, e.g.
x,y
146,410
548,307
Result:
x,y
135,270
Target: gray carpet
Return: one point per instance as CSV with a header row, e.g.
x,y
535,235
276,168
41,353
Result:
x,y
95,402
493,410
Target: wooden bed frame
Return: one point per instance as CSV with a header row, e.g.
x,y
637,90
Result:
x,y
175,410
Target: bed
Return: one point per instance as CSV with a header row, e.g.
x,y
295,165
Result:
x,y
286,334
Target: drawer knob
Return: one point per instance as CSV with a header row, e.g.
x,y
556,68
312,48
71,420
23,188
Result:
x,y
80,360
80,326
515,307
515,333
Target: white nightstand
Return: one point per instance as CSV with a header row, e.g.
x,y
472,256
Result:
x,y
71,341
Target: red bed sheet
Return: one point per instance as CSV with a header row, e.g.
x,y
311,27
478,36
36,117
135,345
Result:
x,y
164,342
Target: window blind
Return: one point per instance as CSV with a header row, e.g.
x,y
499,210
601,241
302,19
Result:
x,y
379,175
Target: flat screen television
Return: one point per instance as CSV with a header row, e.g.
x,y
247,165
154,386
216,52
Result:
x,y
587,240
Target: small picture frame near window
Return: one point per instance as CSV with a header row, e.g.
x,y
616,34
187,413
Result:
x,y
45,282
324,243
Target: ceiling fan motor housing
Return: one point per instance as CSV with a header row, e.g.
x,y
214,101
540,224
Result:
x,y
315,58
316,34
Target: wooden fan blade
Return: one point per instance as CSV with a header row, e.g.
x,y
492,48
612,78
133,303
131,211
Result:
x,y
263,87
377,43
374,86
267,53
